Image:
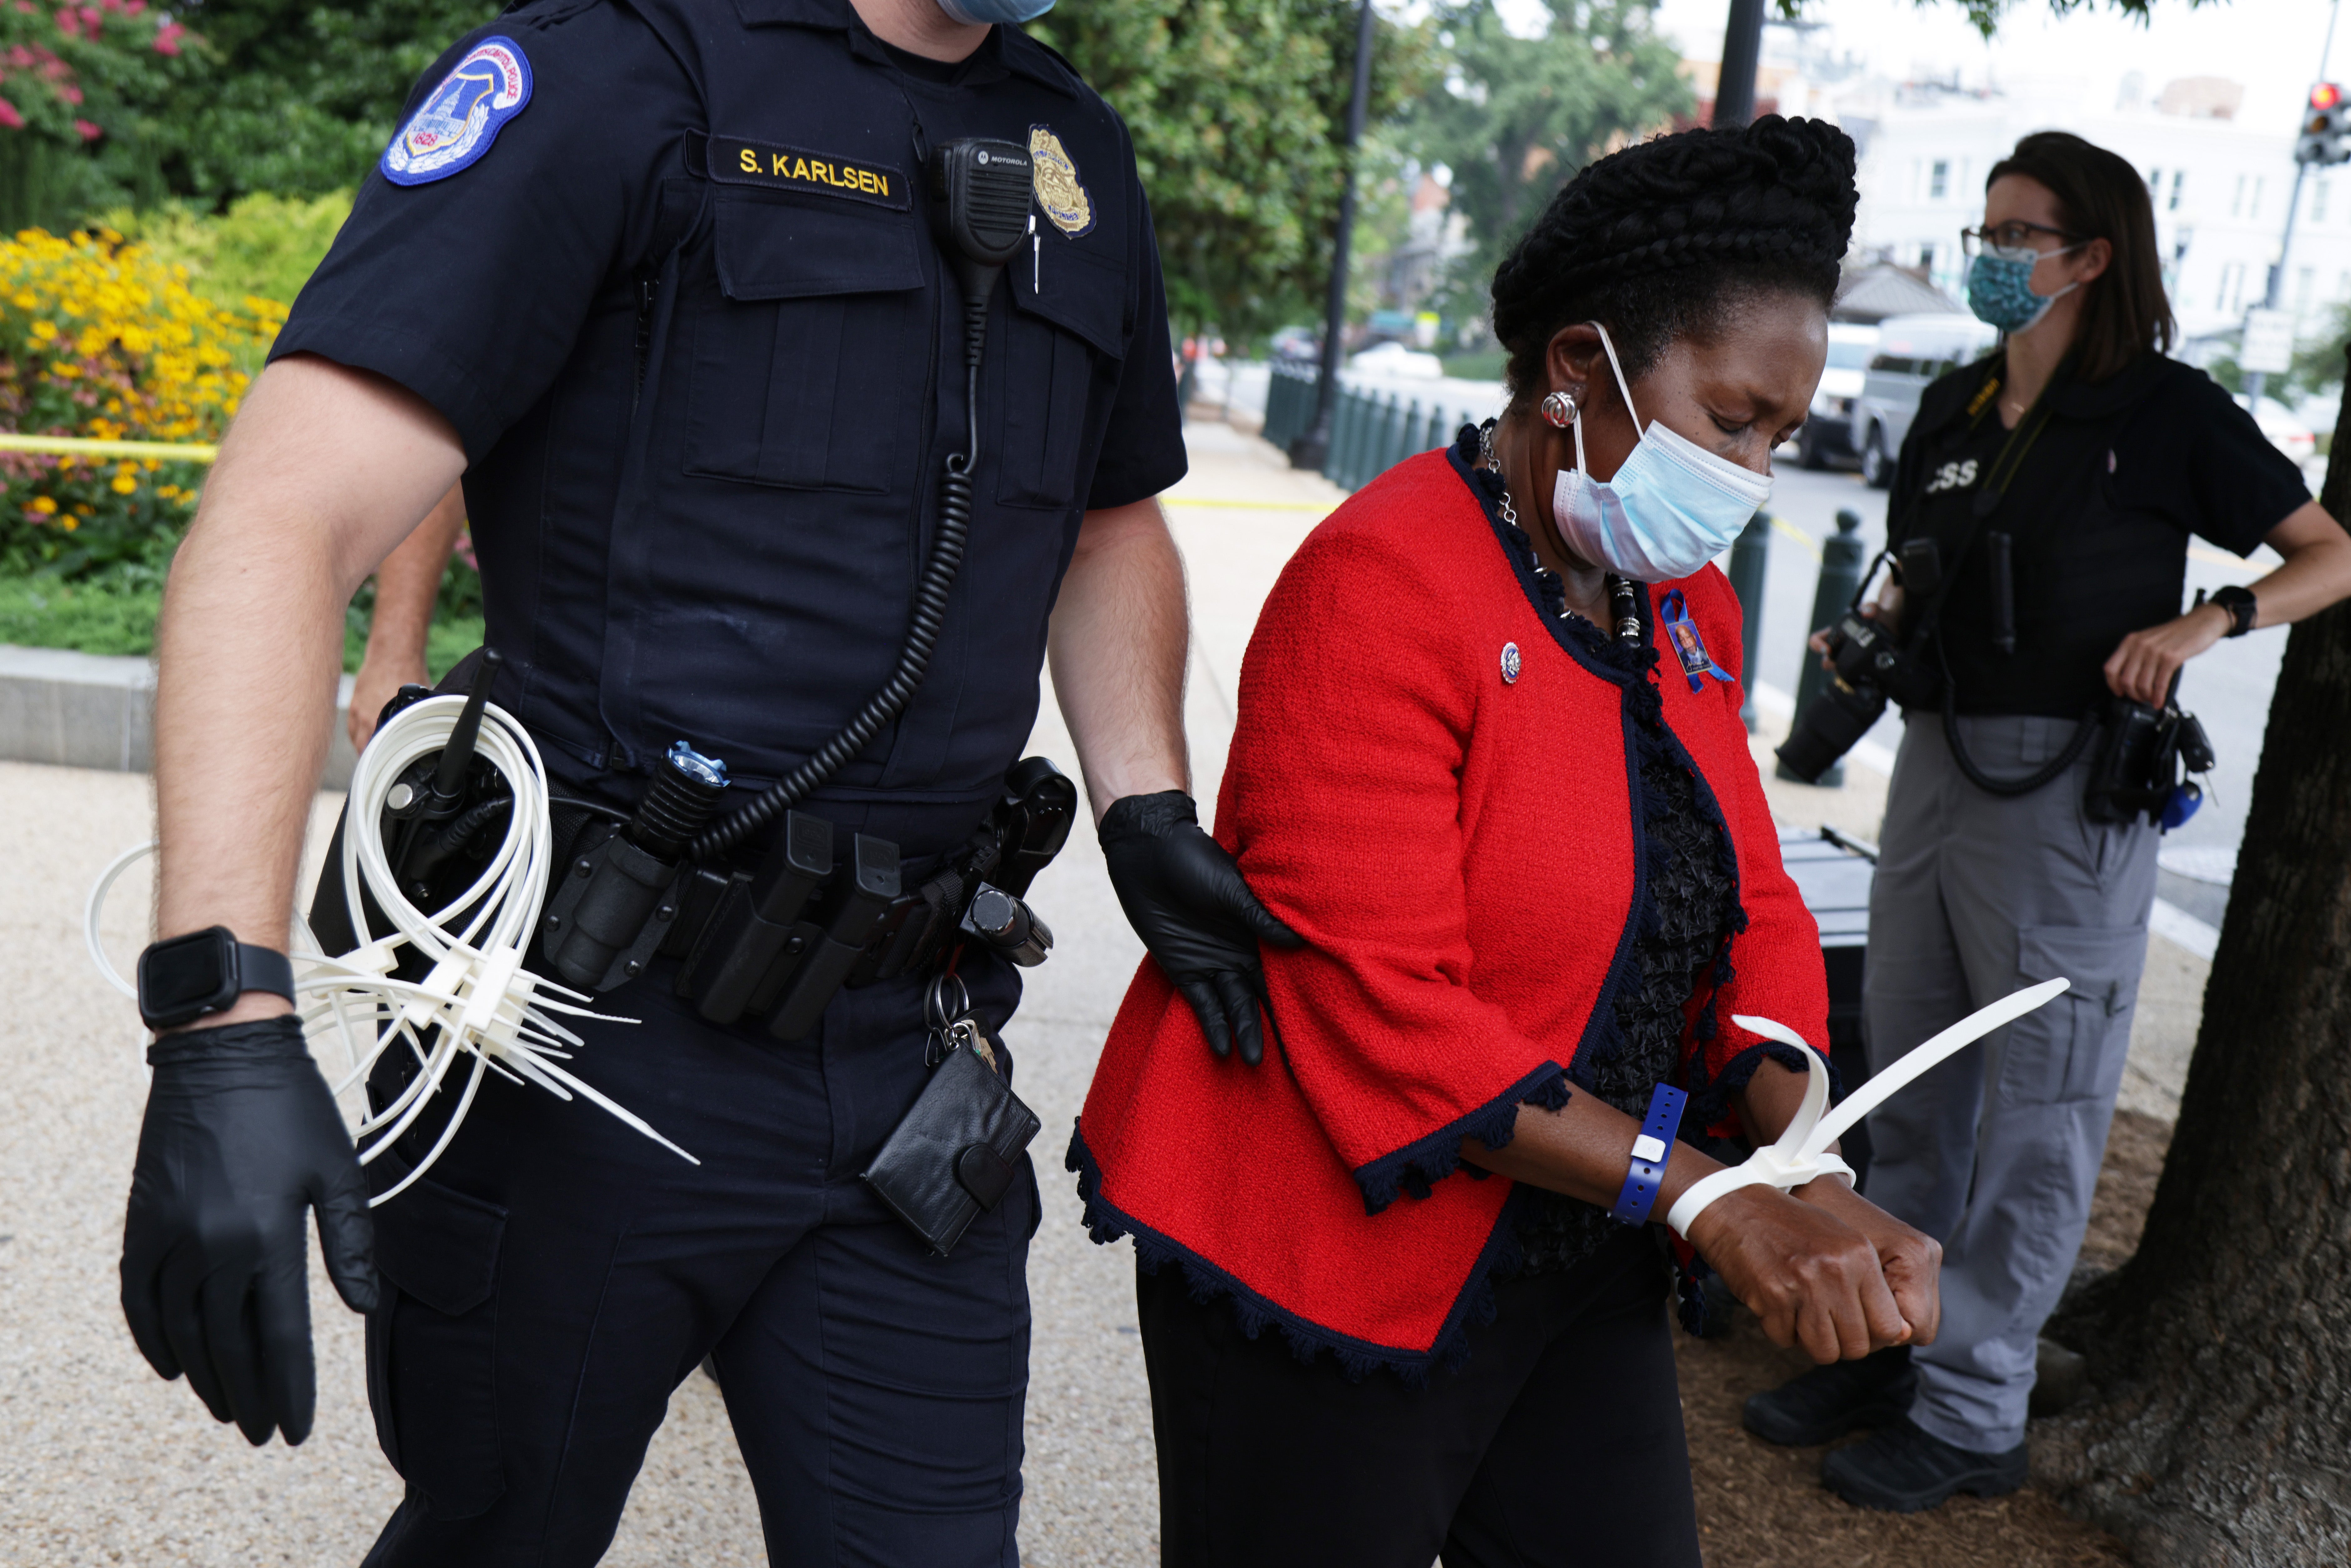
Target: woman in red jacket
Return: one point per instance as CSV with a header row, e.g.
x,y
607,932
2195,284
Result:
x,y
1489,764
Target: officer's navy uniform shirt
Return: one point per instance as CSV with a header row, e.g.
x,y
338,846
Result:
x,y
2099,513
705,409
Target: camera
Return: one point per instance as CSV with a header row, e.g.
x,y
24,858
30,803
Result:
x,y
1867,665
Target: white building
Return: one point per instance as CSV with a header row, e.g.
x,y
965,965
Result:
x,y
2219,188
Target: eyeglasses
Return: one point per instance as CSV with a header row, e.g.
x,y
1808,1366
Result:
x,y
2013,234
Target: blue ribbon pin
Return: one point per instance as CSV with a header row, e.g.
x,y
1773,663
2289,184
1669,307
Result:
x,y
1687,645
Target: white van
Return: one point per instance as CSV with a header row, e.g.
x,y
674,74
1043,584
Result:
x,y
1828,430
1912,350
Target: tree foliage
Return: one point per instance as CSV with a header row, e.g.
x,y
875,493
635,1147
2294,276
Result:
x,y
1238,110
304,93
1985,15
1515,119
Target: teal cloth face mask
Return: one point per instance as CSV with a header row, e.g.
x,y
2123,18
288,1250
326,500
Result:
x,y
1671,507
1999,287
973,13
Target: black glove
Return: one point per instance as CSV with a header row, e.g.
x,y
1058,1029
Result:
x,y
241,1137
1186,898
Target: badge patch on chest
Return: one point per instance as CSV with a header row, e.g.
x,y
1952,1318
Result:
x,y
1674,615
1059,191
736,161
459,119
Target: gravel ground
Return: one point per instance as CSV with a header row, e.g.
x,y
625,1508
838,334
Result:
x,y
102,1463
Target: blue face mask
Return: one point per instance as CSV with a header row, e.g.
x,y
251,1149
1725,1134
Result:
x,y
1999,287
976,13
1671,506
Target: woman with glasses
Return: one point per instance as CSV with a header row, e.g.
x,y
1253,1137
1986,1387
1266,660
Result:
x,y
2040,519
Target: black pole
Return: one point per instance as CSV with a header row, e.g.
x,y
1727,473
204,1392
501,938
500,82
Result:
x,y
1742,50
1310,450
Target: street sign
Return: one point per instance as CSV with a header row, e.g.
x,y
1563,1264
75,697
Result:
x,y
2269,342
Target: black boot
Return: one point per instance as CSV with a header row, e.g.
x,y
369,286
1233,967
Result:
x,y
1901,1468
1827,1402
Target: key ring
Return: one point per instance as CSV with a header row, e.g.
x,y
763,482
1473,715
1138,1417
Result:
x,y
934,1002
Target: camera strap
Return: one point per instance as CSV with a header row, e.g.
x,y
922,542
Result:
x,y
1989,498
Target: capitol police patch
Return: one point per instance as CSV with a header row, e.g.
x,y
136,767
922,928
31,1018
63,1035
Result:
x,y
459,119
1058,192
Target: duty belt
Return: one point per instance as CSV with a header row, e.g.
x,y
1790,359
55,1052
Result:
x,y
779,939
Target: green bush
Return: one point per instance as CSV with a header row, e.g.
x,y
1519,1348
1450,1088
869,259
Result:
x,y
264,245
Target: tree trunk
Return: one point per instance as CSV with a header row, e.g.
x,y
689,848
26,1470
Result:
x,y
2221,1353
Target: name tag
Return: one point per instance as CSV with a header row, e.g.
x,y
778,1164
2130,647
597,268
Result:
x,y
736,161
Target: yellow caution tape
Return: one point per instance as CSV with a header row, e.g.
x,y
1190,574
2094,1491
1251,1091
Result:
x,y
83,446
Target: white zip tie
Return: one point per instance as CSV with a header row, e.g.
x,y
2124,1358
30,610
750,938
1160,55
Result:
x,y
1800,1155
478,998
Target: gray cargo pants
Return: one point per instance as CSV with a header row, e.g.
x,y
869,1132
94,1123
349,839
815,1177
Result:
x,y
1996,1152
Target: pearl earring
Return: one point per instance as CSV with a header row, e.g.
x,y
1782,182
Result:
x,y
1559,410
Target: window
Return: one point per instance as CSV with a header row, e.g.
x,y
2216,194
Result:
x,y
2178,177
2232,288
1848,356
2255,210
2237,202
1927,259
1938,180
2303,282
2154,184
2318,199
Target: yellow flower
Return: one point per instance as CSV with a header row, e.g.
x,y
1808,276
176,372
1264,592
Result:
x,y
124,484
44,505
70,523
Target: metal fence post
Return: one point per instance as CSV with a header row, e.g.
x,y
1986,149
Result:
x,y
1751,560
1344,426
1841,564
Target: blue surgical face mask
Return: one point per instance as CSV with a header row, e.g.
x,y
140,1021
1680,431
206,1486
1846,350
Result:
x,y
1670,508
1999,287
975,13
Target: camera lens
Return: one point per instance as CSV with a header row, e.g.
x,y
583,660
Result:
x,y
1827,729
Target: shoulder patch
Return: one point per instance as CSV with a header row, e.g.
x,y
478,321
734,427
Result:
x,y
459,119
1059,191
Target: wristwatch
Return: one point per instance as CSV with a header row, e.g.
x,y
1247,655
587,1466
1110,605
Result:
x,y
181,978
2239,604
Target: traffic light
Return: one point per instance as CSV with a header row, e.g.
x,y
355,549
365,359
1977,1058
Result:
x,y
2325,128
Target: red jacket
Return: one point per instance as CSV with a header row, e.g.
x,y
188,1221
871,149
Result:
x,y
1460,851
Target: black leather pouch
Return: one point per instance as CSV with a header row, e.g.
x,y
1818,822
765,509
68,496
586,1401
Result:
x,y
955,1155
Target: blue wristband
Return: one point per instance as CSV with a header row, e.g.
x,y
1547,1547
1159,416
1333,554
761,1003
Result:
x,y
1650,1152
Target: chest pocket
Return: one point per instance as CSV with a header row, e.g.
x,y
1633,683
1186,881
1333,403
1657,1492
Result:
x,y
1067,334
804,357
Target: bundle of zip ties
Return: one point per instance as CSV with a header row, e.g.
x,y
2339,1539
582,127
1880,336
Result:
x,y
477,999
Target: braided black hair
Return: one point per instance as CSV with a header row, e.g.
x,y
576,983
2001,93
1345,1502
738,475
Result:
x,y
1667,236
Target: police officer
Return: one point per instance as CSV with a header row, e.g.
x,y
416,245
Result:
x,y
2060,479
660,280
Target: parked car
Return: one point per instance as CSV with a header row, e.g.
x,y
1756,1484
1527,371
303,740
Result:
x,y
1297,343
1912,350
1827,434
2285,431
1397,359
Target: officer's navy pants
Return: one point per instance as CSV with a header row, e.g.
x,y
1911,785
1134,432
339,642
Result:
x,y
560,1275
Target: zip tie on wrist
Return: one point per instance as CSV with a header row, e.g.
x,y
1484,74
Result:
x,y
1799,1155
477,999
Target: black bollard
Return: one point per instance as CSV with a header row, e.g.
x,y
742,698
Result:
x,y
1750,561
1841,567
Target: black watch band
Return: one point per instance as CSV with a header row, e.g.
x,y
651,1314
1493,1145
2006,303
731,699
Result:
x,y
2241,605
181,978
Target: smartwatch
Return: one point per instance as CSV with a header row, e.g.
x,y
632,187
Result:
x,y
2241,605
183,978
